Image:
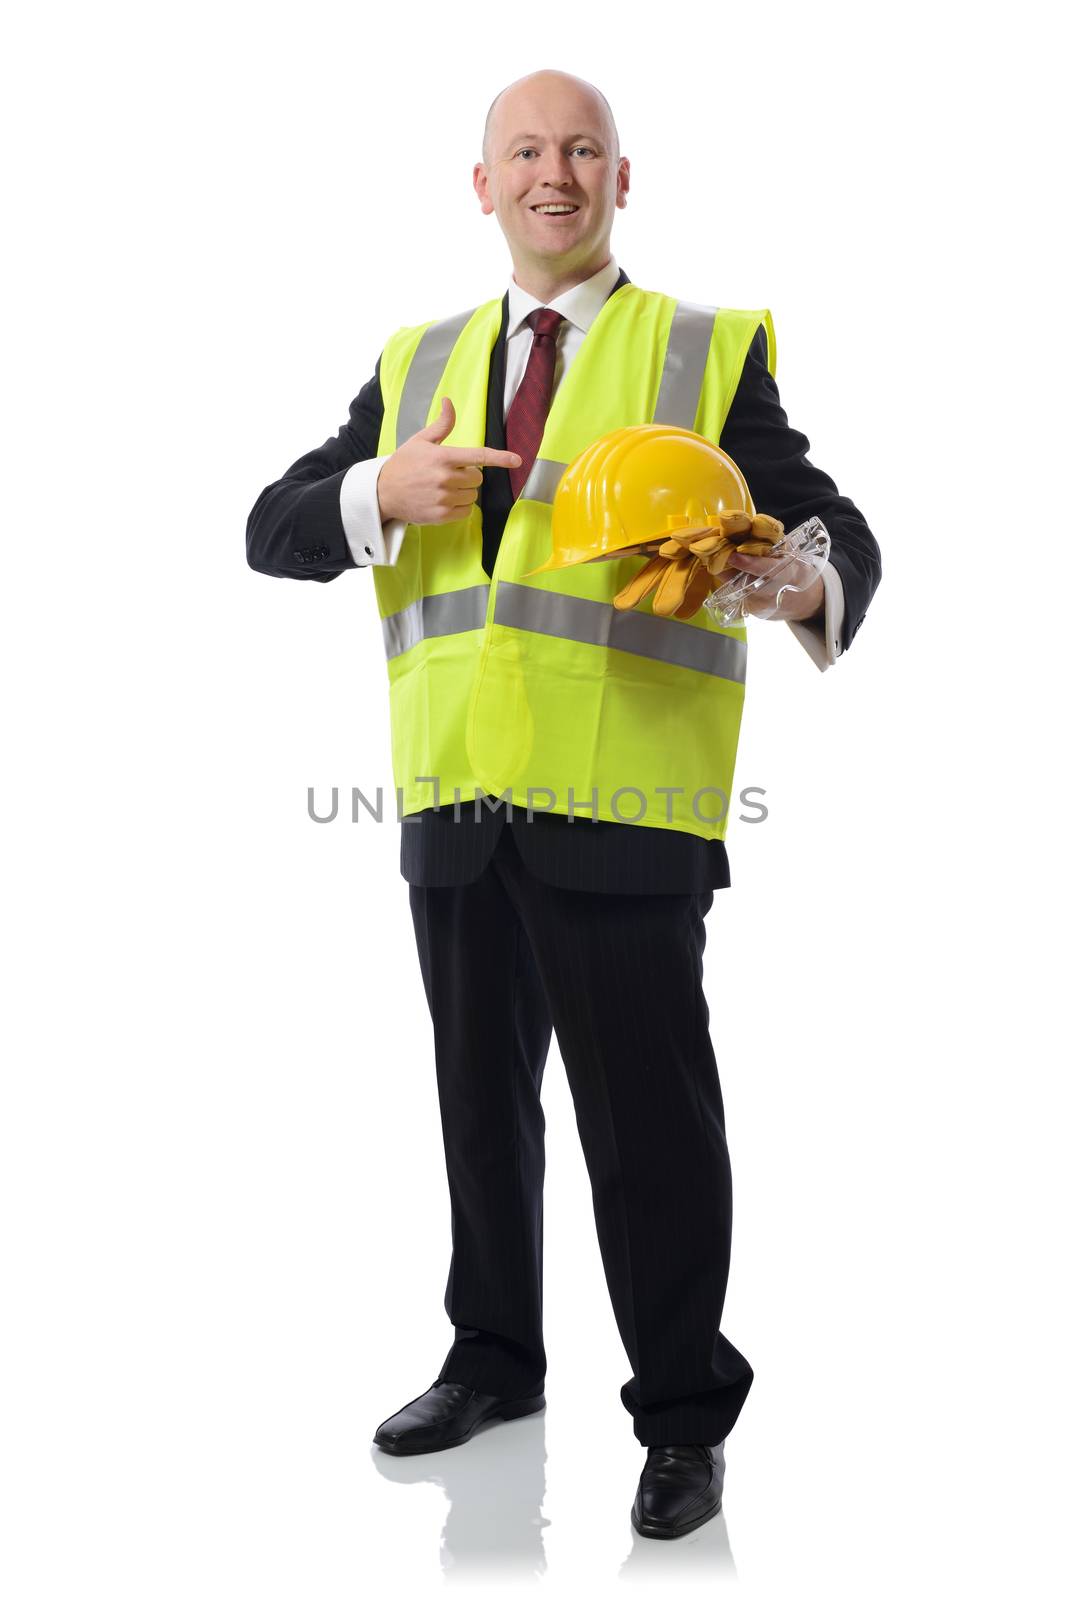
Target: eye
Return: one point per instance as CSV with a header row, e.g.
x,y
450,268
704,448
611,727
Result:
x,y
586,147
526,150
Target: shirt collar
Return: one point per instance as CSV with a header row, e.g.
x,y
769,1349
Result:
x,y
579,305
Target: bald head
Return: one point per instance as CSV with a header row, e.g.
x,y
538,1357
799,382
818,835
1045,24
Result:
x,y
521,92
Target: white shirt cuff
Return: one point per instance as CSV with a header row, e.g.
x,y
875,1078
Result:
x,y
373,543
824,645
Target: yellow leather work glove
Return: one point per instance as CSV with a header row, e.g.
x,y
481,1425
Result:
x,y
694,561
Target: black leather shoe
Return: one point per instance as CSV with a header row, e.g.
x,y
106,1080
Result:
x,y
446,1415
681,1486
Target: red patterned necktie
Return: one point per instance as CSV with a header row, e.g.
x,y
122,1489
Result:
x,y
527,412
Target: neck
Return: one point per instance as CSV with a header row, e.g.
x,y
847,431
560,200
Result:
x,y
546,280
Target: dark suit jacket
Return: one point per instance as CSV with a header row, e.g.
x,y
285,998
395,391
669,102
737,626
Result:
x,y
295,531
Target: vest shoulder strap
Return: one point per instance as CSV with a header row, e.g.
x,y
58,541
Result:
x,y
413,361
732,336
693,393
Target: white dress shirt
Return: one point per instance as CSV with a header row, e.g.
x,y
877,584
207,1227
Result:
x,y
377,543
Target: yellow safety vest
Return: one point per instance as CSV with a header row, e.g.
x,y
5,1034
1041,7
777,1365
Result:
x,y
537,690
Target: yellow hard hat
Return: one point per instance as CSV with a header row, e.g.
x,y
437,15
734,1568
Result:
x,y
637,485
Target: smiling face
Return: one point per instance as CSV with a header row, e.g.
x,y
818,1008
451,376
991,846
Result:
x,y
553,177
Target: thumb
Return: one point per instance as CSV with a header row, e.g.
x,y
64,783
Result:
x,y
442,424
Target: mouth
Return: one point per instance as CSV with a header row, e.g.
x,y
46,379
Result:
x,y
555,208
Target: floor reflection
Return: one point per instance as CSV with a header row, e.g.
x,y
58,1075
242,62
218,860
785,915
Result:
x,y
704,1553
495,1488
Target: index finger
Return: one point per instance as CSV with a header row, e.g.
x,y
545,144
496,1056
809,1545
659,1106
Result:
x,y
481,457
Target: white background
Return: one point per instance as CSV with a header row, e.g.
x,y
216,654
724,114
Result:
x,y
225,1216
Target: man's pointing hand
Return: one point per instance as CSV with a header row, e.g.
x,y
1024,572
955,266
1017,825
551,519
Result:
x,y
427,481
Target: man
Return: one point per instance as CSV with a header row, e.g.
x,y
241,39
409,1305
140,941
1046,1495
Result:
x,y
547,919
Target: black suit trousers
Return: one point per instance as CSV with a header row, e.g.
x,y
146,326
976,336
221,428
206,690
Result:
x,y
505,959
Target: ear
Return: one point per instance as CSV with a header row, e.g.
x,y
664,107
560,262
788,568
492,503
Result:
x,y
622,182
480,178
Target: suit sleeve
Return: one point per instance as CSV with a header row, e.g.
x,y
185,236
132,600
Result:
x,y
785,484
295,529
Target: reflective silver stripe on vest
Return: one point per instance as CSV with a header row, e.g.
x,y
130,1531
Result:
x,y
544,479
433,615
568,616
684,365
424,372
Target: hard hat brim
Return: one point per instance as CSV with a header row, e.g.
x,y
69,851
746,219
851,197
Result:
x,y
560,559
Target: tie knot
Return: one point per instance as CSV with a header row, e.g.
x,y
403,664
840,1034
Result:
x,y
546,322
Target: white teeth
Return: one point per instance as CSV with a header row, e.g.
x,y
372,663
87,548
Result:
x,y
556,210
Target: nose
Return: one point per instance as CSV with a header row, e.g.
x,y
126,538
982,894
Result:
x,y
555,172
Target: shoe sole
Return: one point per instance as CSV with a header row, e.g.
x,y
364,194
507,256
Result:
x,y
678,1531
504,1413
